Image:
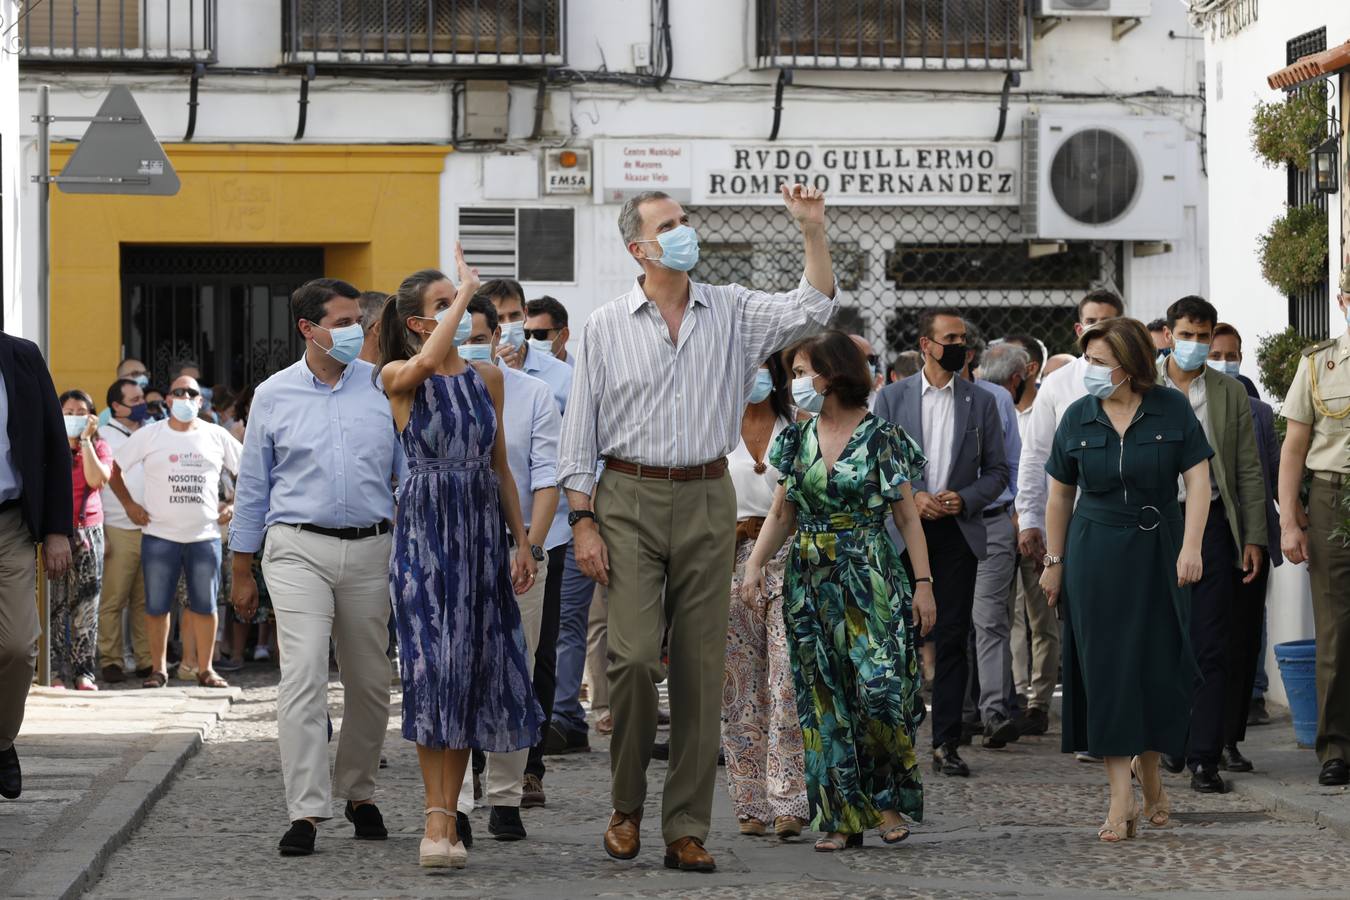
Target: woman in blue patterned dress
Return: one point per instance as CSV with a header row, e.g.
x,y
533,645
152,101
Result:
x,y
466,684
847,600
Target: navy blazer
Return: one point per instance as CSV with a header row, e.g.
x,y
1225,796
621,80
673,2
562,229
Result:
x,y
1268,446
37,440
980,470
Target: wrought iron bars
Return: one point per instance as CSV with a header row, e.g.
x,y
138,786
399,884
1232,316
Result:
x,y
158,32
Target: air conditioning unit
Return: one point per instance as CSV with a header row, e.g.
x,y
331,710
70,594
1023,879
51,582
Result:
x,y
1104,178
1115,9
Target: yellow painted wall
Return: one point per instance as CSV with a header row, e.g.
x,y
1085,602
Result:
x,y
375,210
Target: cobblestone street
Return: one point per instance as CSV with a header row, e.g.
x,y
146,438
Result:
x,y
1022,826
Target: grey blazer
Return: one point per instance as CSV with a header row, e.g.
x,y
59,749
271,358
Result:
x,y
980,470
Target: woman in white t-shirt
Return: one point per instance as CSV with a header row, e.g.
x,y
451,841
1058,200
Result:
x,y
761,733
182,459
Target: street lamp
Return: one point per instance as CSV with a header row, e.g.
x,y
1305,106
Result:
x,y
1323,163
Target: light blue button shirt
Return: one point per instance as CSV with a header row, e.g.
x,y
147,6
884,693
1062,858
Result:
x,y
531,425
315,455
1012,438
11,482
553,372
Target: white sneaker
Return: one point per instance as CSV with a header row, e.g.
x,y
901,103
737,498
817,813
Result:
x,y
261,654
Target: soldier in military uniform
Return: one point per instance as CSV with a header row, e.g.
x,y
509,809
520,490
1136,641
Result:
x,y
1318,411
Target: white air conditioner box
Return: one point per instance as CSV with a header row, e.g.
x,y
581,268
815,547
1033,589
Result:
x,y
1114,9
1114,178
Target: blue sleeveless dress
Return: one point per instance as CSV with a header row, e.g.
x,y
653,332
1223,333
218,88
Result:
x,y
465,679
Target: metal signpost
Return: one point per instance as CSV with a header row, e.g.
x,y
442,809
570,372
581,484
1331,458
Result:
x,y
118,154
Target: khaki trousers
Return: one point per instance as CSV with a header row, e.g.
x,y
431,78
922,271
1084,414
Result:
x,y
505,772
597,651
322,587
1329,568
680,536
1034,623
123,589
19,629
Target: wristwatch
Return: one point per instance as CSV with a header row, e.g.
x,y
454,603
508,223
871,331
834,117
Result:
x,y
927,578
577,515
537,552
1049,560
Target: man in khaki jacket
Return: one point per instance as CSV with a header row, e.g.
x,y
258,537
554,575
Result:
x,y
1235,534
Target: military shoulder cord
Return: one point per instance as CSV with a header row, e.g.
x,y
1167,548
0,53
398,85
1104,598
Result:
x,y
1321,407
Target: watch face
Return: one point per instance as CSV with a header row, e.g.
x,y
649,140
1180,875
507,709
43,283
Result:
x,y
537,552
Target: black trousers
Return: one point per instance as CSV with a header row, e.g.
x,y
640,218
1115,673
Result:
x,y
954,567
546,654
1244,654
1212,600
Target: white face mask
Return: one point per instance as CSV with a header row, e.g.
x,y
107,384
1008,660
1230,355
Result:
x,y
538,346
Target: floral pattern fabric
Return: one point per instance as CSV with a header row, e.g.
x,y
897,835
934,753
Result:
x,y
74,607
847,605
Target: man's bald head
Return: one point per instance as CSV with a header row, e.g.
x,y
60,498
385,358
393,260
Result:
x,y
1058,361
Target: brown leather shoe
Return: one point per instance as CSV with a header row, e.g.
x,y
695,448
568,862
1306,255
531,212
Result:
x,y
621,837
687,855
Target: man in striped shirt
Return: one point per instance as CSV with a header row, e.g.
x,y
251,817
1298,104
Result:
x,y
658,391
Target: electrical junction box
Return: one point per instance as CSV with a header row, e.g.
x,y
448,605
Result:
x,y
487,105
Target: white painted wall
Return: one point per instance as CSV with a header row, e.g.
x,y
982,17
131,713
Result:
x,y
10,173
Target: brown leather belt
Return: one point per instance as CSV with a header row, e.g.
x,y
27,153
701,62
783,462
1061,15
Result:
x,y
715,469
1335,479
749,529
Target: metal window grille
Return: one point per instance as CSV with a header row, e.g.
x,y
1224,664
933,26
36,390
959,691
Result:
x,y
424,32
894,262
226,308
893,34
1309,309
181,32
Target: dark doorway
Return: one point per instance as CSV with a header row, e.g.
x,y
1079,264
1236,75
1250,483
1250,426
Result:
x,y
225,308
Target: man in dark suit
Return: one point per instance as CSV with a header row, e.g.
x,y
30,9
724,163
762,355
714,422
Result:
x,y
958,427
35,507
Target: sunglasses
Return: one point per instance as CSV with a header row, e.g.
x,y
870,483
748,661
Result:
x,y
540,334
187,393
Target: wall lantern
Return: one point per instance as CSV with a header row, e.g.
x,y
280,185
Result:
x,y
1322,163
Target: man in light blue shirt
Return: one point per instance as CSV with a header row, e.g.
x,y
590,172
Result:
x,y
319,464
508,298
1003,368
531,424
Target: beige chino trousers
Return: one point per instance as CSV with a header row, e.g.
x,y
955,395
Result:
x,y
323,587
19,629
123,589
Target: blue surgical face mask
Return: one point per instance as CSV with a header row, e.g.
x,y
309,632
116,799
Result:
x,y
1097,380
75,425
805,395
538,346
476,352
513,334
462,330
763,387
1231,369
185,410
1190,355
679,248
347,342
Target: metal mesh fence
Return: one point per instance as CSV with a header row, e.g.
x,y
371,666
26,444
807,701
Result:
x,y
894,262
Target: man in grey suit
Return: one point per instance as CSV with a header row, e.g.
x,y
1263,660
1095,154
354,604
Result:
x,y
958,427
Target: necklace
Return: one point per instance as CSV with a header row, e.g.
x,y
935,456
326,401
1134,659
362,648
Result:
x,y
756,434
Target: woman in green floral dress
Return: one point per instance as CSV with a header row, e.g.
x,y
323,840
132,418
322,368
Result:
x,y
847,600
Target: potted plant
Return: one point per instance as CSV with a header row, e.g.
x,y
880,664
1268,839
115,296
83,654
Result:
x,y
1284,131
1294,250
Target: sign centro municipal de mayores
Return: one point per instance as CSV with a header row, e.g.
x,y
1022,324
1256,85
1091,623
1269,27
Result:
x,y
909,173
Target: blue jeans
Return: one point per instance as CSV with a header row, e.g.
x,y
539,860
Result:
x,y
577,591
162,561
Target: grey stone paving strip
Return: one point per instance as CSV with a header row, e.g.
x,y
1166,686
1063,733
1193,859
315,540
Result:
x,y
159,733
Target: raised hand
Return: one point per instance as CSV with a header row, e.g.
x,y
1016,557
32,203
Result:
x,y
468,275
807,204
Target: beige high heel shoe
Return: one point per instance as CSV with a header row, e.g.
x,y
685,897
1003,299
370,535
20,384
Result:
x,y
438,854
1115,832
1158,812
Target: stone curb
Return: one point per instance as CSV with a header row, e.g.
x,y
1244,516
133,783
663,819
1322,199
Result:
x,y
1332,813
66,871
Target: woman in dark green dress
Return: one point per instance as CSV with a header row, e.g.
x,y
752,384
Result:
x,y
846,599
1123,560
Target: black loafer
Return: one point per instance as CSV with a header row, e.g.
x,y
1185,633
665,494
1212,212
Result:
x,y
1036,721
1232,760
999,732
661,750
113,674
504,823
1335,773
1174,764
946,761
11,775
558,742
1206,780
368,821
299,840
1256,712
464,829
144,672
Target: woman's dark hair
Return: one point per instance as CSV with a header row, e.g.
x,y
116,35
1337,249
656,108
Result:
x,y
780,398
841,362
82,397
1132,347
396,341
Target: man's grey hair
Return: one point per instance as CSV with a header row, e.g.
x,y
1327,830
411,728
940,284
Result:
x,y
372,304
630,217
1002,361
